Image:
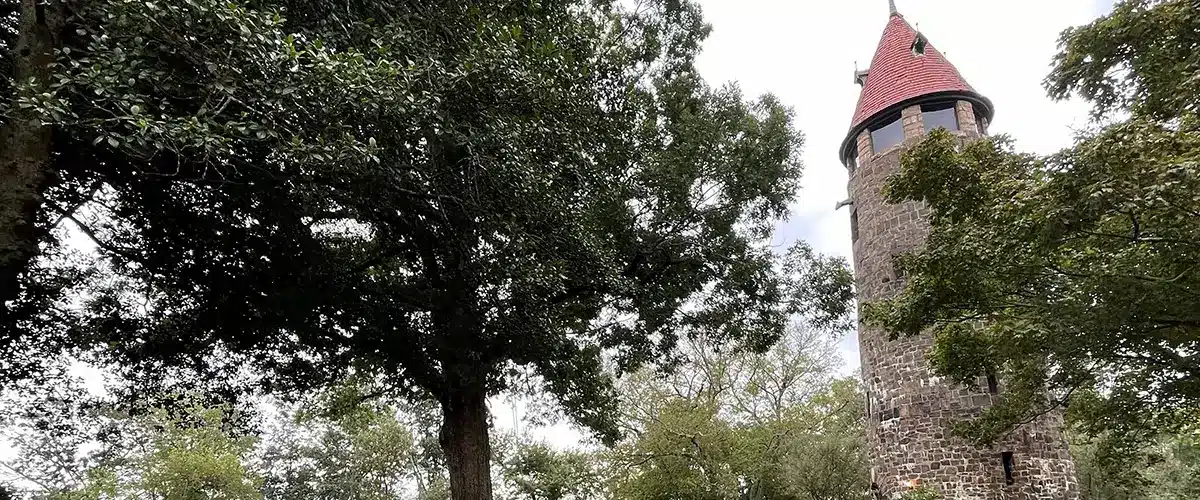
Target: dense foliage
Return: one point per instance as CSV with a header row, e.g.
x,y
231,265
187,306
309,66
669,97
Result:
x,y
72,447
1167,468
1075,272
427,196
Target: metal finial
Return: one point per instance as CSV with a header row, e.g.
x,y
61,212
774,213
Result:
x,y
892,7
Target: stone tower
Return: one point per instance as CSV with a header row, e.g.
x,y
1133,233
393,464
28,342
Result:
x,y
909,89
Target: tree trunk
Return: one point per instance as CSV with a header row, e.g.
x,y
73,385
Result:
x,y
25,162
464,440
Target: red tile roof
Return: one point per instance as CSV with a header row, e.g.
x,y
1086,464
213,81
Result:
x,y
897,74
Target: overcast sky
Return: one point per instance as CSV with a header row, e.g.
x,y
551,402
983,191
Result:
x,y
804,52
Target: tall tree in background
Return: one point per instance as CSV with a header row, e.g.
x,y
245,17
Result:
x,y
343,443
80,449
1079,271
1168,468
749,426
426,196
538,471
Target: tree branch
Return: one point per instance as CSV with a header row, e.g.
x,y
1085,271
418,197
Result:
x,y
26,477
123,252
92,190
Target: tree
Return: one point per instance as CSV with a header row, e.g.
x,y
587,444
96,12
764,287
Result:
x,y
344,443
828,462
1075,272
184,454
738,425
71,446
31,32
339,445
424,196
426,201
125,105
198,460
48,424
1167,468
536,471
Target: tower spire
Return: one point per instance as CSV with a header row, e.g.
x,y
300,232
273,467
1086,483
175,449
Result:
x,y
892,8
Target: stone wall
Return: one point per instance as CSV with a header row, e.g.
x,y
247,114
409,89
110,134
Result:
x,y
911,410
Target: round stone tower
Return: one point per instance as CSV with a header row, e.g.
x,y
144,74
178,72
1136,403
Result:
x,y
910,89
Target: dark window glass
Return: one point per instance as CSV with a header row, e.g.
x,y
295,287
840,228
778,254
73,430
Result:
x,y
887,136
1007,459
939,118
889,414
918,45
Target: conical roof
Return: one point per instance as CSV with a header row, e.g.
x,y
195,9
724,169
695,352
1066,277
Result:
x,y
901,75
898,73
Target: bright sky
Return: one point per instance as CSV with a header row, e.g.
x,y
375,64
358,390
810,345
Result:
x,y
804,52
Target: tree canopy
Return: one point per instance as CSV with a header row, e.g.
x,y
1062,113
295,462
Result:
x,y
431,197
734,425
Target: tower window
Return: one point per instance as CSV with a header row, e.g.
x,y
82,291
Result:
x,y
897,270
1006,458
889,414
853,225
888,135
993,387
918,45
939,116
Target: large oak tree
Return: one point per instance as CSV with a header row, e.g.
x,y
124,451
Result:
x,y
432,195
